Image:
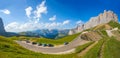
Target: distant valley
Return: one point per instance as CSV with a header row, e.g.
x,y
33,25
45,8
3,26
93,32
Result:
x,y
51,34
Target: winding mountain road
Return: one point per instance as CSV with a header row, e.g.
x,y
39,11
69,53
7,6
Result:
x,y
54,50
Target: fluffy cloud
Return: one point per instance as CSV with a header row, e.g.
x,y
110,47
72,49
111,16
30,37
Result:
x,y
40,9
37,13
52,25
28,11
17,27
52,18
80,22
5,11
12,26
66,22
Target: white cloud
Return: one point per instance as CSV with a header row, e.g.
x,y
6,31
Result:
x,y
37,13
52,25
28,11
12,26
52,18
66,22
5,11
80,22
40,9
17,27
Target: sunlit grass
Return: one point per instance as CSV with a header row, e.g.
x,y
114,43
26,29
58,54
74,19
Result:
x,y
112,49
95,50
68,38
82,47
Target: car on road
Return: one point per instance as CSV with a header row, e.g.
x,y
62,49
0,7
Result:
x,y
27,41
39,44
50,45
34,43
65,43
44,45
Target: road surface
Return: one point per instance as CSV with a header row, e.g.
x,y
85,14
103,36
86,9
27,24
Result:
x,y
54,50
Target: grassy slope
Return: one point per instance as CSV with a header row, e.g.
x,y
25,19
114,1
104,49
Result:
x,y
82,47
112,49
109,25
114,24
68,38
94,52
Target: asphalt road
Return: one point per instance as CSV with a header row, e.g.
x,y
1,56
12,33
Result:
x,y
54,50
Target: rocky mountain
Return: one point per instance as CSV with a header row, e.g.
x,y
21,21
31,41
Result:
x,y
62,33
102,18
52,34
47,33
2,30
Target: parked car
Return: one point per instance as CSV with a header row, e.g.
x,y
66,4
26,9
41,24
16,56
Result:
x,y
44,45
27,41
34,43
50,45
39,44
65,43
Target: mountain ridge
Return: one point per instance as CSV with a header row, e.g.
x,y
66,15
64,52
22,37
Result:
x,y
51,34
102,18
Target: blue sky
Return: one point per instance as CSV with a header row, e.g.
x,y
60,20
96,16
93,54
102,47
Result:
x,y
25,15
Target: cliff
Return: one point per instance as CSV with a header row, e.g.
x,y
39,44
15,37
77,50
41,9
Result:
x,y
102,18
2,30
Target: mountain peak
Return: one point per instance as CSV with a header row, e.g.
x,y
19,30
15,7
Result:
x,y
2,30
102,18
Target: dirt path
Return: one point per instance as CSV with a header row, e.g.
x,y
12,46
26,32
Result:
x,y
113,32
116,34
101,51
87,49
109,33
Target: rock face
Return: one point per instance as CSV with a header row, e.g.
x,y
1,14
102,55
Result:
x,y
91,36
2,30
102,18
